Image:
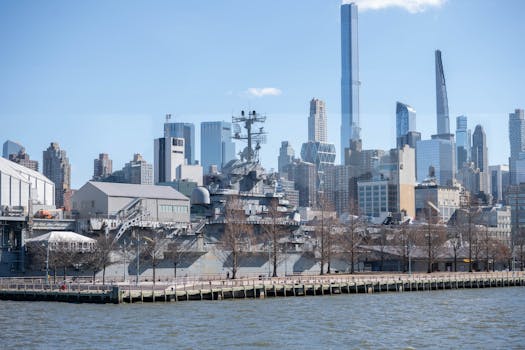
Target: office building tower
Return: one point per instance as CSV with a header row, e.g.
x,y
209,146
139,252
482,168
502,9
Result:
x,y
480,157
305,179
441,97
23,159
102,167
463,144
138,171
286,157
517,146
499,182
217,148
322,155
405,123
56,167
171,162
435,159
350,129
185,131
317,121
11,147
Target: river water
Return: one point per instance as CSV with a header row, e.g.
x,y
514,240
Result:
x,y
457,319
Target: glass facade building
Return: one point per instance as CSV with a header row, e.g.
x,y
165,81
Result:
x,y
317,121
463,143
349,77
185,131
441,97
435,158
405,122
217,148
11,147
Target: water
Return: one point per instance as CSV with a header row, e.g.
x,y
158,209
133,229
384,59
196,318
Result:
x,y
462,319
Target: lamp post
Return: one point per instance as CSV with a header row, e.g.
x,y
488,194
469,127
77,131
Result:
x,y
138,259
47,261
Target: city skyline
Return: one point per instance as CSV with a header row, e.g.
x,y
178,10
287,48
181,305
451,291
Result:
x,y
71,97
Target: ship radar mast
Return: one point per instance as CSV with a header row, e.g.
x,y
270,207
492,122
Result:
x,y
252,135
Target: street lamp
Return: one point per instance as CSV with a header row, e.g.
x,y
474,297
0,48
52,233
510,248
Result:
x,y
47,261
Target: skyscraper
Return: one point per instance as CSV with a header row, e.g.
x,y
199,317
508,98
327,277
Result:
x,y
185,131
56,167
286,157
11,147
517,146
441,98
102,167
405,123
480,157
435,158
350,77
463,143
23,159
217,148
317,121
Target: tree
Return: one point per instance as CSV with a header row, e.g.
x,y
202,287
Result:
x,y
154,243
352,233
177,250
405,238
100,257
435,236
273,231
237,234
324,229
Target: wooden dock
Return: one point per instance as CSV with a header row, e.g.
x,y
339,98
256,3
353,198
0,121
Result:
x,y
267,288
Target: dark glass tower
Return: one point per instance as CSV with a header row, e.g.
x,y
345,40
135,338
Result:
x,y
350,77
441,98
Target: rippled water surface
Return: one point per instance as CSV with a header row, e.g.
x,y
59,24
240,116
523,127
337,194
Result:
x,y
461,319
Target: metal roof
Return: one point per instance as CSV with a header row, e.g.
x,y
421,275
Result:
x,y
21,172
61,236
138,191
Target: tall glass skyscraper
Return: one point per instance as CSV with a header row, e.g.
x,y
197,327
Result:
x,y
185,131
462,141
479,155
317,121
350,77
517,146
217,148
405,122
441,98
11,147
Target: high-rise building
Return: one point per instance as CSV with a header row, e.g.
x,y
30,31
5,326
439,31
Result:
x,y
102,167
317,121
480,157
56,167
171,162
23,159
463,143
138,171
286,157
517,146
321,154
185,131
217,148
441,97
11,147
305,178
350,129
405,122
435,159
499,182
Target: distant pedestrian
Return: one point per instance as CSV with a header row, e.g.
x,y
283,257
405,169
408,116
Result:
x,y
228,275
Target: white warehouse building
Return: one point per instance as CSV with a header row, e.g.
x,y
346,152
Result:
x,y
106,199
19,185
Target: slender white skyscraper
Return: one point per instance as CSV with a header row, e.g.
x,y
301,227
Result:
x,y
441,98
350,77
317,121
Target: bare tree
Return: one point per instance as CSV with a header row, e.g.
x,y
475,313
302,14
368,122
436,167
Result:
x,y
236,239
352,233
324,230
177,250
273,232
154,243
100,257
405,238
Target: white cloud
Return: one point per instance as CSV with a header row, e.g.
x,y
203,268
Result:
x,y
260,92
412,6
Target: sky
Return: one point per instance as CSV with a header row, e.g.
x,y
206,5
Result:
x,y
99,76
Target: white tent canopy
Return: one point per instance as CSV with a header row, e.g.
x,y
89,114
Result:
x,y
64,240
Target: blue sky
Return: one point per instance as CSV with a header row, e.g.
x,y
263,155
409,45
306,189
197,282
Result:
x,y
99,76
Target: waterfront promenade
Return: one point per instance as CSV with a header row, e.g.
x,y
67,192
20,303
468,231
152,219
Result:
x,y
83,291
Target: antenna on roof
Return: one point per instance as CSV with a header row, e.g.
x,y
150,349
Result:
x,y
168,117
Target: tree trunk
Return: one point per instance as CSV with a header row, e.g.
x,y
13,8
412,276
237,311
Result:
x,y
104,274
274,259
175,270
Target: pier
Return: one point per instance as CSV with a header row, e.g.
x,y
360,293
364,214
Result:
x,y
254,288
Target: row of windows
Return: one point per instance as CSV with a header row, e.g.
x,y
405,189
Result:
x,y
179,209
